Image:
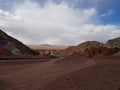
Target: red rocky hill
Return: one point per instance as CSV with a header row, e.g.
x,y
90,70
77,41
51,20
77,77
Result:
x,y
93,49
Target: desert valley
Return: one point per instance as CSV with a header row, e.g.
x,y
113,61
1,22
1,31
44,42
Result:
x,y
59,44
91,65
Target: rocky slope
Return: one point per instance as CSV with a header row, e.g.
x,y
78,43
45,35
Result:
x,y
80,49
113,43
9,45
93,49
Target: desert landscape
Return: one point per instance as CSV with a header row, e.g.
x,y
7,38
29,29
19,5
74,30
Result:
x,y
89,66
59,44
47,47
56,74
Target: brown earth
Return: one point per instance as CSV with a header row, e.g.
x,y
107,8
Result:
x,y
97,52
73,73
38,47
4,52
92,49
47,50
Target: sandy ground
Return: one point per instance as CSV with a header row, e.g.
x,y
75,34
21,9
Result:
x,y
38,47
60,74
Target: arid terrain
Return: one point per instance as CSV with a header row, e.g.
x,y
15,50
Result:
x,y
50,47
59,44
91,65
73,73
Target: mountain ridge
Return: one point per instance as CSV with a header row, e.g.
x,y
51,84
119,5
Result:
x,y
13,45
93,49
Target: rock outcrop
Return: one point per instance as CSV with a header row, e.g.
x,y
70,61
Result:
x,y
65,52
93,49
113,43
88,45
13,46
80,49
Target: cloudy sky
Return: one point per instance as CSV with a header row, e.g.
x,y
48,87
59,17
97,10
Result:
x,y
60,22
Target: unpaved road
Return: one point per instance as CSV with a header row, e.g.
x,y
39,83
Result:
x,y
60,74
36,75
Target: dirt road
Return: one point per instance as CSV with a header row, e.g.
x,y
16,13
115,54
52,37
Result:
x,y
60,74
36,75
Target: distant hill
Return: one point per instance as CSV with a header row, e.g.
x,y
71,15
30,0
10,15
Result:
x,y
44,47
92,49
12,46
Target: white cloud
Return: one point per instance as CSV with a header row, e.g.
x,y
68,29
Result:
x,y
56,24
107,13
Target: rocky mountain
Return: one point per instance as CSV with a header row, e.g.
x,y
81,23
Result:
x,y
65,52
88,45
93,49
9,45
113,43
78,50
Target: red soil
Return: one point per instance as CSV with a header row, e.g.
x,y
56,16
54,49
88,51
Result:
x,y
4,52
104,75
100,52
73,73
97,52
